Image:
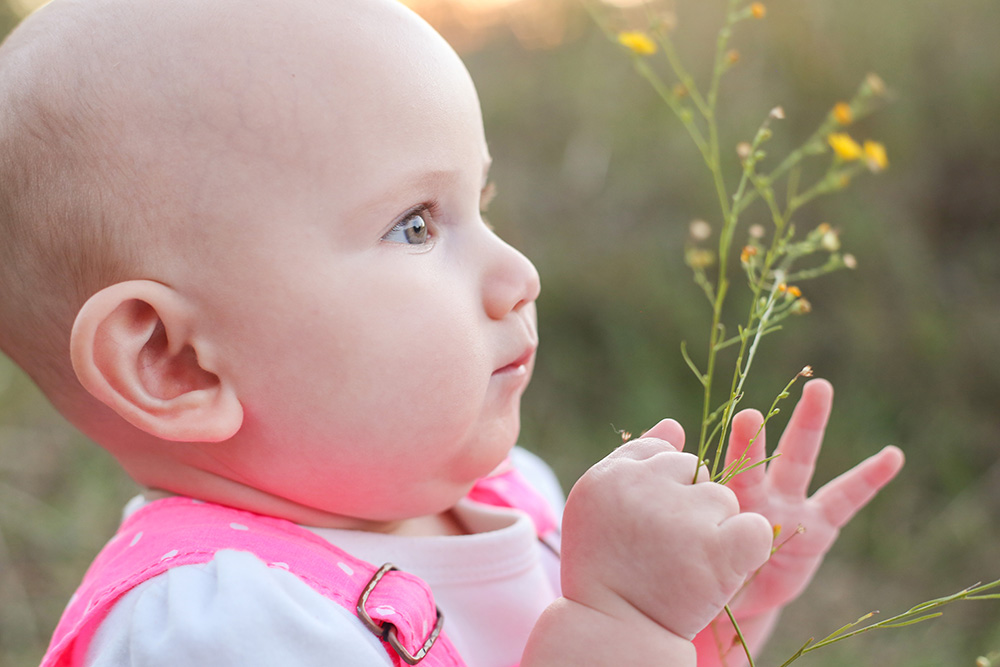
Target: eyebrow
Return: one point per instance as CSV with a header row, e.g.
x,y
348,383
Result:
x,y
412,187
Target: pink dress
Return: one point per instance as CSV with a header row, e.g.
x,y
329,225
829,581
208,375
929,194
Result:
x,y
397,607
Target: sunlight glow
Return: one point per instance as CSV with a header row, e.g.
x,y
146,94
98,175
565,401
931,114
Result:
x,y
24,7
624,3
469,24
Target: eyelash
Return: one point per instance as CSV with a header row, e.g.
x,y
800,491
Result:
x,y
430,210
427,211
487,196
489,193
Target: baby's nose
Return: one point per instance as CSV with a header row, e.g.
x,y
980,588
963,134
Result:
x,y
510,281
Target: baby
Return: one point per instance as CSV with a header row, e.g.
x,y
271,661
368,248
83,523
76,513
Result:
x,y
243,251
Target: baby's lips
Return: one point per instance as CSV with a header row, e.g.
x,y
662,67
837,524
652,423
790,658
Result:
x,y
523,359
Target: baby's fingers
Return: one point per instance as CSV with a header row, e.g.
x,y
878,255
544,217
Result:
x,y
747,539
842,497
667,436
669,430
747,485
799,446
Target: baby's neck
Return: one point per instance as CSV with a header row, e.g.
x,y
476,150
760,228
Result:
x,y
445,523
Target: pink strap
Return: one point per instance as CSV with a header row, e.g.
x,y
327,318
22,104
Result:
x,y
180,531
510,489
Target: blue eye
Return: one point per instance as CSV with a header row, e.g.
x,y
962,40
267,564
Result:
x,y
411,230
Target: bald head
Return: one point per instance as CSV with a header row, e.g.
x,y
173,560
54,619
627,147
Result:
x,y
130,128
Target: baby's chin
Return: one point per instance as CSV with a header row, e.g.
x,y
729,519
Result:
x,y
494,457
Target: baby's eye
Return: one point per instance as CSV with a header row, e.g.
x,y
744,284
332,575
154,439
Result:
x,y
411,230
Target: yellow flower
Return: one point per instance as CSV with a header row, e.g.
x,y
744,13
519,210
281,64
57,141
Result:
x,y
698,258
846,148
790,290
875,156
638,42
748,252
758,10
842,113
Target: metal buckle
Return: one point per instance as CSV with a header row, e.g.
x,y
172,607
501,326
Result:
x,y
387,631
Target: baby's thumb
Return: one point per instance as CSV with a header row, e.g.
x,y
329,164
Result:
x,y
747,538
669,430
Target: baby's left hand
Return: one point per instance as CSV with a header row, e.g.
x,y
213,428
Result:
x,y
809,525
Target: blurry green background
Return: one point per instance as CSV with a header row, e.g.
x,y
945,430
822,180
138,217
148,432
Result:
x,y
597,185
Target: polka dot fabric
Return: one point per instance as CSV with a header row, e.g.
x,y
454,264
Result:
x,y
180,531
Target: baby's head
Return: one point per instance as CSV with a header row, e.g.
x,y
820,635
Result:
x,y
252,231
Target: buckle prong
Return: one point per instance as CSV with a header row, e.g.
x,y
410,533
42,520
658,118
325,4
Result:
x,y
386,631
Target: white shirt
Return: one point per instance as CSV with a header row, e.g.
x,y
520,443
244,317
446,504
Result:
x,y
491,586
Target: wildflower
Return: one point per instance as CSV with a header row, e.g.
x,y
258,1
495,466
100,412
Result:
x,y
850,261
758,10
778,113
801,307
698,258
744,150
699,230
790,290
732,57
846,148
842,113
664,21
823,227
748,252
806,372
830,241
875,84
638,42
775,530
875,156
756,231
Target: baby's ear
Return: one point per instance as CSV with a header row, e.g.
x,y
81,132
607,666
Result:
x,y
133,348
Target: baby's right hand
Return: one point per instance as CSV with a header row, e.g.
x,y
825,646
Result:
x,y
640,538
